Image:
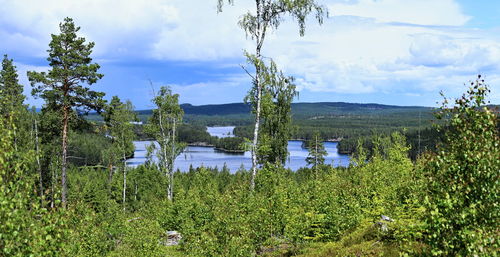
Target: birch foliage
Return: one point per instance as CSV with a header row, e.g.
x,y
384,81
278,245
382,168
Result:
x,y
268,15
163,126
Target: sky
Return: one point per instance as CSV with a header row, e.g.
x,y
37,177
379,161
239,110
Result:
x,y
398,52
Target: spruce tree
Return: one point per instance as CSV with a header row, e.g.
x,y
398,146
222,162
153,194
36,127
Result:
x,y
11,104
66,85
11,92
317,152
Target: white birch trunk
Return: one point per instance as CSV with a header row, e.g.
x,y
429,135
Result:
x,y
124,180
259,37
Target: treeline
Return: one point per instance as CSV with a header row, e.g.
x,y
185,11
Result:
x,y
419,140
198,135
231,144
350,130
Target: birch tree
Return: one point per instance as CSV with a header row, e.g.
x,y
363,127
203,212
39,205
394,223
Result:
x,y
163,126
277,96
118,117
66,85
268,15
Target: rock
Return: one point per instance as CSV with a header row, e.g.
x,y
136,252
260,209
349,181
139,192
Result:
x,y
172,238
383,223
382,226
385,218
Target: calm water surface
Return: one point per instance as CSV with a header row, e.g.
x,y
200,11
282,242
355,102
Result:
x,y
208,157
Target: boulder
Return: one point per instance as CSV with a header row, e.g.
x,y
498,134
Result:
x,y
171,238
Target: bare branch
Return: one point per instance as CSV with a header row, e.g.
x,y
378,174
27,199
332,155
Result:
x,y
249,74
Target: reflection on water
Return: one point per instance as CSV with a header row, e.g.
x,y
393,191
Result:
x,y
198,156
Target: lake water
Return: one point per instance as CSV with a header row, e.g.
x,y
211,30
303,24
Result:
x,y
198,156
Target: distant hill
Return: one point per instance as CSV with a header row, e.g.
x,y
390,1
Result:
x,y
212,109
238,114
322,108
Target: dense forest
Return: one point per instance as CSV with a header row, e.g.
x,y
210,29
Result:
x,y
347,123
65,189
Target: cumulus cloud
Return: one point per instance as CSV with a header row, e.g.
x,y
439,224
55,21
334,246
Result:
x,y
367,46
214,92
163,29
23,80
421,12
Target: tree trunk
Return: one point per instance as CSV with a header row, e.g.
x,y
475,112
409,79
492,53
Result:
x,y
135,193
64,156
15,138
110,175
316,157
171,168
256,131
163,149
260,37
37,148
124,178
53,176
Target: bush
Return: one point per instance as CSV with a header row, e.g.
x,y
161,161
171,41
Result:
x,y
462,208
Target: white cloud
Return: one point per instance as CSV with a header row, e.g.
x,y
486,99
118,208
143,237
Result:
x,y
213,92
162,29
22,69
368,46
422,12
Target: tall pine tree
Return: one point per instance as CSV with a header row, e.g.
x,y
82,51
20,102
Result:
x,y
66,85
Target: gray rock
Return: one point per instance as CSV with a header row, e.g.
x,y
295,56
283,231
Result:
x,y
172,238
385,218
383,223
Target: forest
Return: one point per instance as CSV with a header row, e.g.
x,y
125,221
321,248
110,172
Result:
x,y
411,189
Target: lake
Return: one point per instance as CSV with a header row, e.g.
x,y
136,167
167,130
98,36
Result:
x,y
198,156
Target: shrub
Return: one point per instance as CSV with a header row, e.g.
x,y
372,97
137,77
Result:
x,y
462,208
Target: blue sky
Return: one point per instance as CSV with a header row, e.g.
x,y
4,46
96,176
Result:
x,y
400,52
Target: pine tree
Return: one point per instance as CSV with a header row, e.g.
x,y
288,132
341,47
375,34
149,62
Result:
x,y
66,85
